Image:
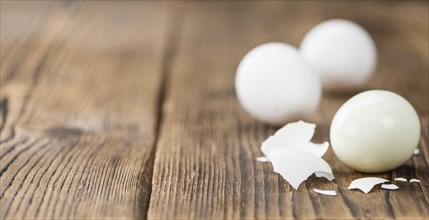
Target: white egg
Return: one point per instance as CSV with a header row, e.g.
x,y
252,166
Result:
x,y
375,131
275,85
342,52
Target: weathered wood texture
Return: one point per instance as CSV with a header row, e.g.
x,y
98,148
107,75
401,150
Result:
x,y
80,84
128,110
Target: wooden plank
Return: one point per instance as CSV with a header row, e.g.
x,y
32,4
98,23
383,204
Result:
x,y
80,84
205,163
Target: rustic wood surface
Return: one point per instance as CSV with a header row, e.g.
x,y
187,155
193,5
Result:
x,y
128,110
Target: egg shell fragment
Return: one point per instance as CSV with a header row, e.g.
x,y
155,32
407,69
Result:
x,y
296,165
262,159
389,186
415,181
295,135
325,192
401,179
366,184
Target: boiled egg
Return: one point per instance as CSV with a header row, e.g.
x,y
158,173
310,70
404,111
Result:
x,y
341,52
275,85
375,131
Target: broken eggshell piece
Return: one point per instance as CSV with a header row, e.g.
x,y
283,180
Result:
x,y
389,186
366,184
295,135
262,159
296,165
415,181
325,192
401,179
293,156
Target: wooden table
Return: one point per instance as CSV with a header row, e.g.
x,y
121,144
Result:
x,y
128,110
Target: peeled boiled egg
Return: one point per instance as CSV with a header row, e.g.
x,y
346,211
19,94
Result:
x,y
341,52
375,131
275,85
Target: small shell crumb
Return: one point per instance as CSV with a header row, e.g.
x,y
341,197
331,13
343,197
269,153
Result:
x,y
325,192
415,181
262,159
401,179
389,186
416,151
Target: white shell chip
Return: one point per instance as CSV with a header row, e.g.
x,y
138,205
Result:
x,y
416,151
389,186
415,181
401,179
325,192
366,184
262,159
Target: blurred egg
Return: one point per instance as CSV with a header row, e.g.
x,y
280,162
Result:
x,y
275,85
341,52
375,131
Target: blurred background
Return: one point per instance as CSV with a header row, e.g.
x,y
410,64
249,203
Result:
x,y
223,31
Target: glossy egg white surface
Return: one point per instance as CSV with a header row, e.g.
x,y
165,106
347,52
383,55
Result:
x,y
275,85
341,52
375,131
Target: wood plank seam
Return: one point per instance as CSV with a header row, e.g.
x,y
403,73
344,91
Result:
x,y
170,50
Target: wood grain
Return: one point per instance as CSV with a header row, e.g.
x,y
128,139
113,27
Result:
x,y
128,110
205,163
80,94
